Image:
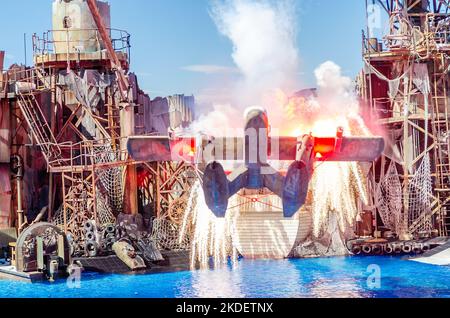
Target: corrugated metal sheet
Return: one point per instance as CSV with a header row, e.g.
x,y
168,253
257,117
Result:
x,y
269,235
261,229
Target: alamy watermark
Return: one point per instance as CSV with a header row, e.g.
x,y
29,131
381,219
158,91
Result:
x,y
374,279
373,18
74,279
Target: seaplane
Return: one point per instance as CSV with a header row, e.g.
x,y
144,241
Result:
x,y
256,149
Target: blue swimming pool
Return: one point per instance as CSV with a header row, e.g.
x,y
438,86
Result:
x,y
380,277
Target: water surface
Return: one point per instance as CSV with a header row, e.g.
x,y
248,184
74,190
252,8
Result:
x,y
326,277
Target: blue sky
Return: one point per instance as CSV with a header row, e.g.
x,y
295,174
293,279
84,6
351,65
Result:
x,y
168,35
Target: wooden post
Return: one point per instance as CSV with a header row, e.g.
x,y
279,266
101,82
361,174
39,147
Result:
x,y
158,190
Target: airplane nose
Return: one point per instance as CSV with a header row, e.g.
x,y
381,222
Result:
x,y
256,137
256,117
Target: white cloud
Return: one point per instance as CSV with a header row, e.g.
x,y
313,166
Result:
x,y
210,69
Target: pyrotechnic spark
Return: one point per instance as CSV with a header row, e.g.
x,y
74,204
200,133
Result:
x,y
212,236
336,187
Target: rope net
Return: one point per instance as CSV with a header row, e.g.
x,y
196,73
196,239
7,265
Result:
x,y
169,236
110,178
104,213
419,205
389,198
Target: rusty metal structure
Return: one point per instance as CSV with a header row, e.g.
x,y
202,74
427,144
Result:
x,y
405,85
64,123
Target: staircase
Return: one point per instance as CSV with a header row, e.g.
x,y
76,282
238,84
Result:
x,y
40,128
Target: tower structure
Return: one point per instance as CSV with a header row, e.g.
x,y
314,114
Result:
x,y
405,86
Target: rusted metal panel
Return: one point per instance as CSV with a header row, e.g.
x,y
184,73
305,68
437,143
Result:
x,y
5,132
5,195
5,210
5,178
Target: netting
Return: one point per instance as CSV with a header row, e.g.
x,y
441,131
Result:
x,y
389,198
105,214
166,234
419,205
58,217
110,178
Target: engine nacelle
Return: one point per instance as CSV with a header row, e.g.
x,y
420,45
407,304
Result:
x,y
215,187
295,188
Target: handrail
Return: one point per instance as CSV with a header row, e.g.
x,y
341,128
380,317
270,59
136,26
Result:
x,y
433,34
46,44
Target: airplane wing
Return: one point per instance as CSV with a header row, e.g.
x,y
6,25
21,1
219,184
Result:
x,y
205,150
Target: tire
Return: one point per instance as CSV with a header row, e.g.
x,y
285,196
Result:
x,y
89,226
407,249
367,249
110,229
90,236
356,250
377,249
389,249
91,248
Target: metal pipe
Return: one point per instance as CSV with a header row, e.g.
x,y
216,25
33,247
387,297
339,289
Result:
x,y
17,170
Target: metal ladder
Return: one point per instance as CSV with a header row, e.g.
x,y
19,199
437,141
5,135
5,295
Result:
x,y
40,128
441,130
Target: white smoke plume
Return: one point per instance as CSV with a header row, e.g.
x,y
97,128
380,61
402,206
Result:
x,y
336,105
263,34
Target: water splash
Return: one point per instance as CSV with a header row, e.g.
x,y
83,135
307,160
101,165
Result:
x,y
212,237
336,188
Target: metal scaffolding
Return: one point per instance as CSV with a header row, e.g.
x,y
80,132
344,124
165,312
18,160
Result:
x,y
405,86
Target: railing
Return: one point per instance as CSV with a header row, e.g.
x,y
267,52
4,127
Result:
x,y
69,155
3,81
37,79
47,43
434,33
91,153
